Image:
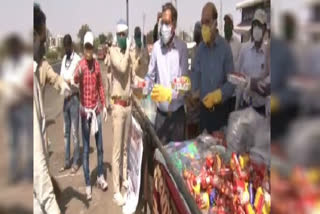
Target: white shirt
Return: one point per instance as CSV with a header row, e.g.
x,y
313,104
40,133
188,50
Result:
x,y
167,63
235,45
68,67
16,72
252,62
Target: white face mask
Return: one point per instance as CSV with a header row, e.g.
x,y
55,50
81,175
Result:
x,y
257,34
166,33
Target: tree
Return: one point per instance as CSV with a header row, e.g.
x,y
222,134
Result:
x,y
96,43
102,38
84,28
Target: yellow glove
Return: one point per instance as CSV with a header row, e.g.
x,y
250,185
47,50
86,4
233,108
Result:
x,y
161,94
274,104
212,99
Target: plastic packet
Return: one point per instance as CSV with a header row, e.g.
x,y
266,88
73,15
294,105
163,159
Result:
x,y
241,130
149,107
238,79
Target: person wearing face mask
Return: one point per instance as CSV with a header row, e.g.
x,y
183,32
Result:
x,y
213,62
169,60
121,71
71,105
44,197
139,56
231,39
252,60
92,103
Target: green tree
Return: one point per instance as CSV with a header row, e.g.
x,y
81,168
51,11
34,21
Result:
x,y
102,38
82,31
96,43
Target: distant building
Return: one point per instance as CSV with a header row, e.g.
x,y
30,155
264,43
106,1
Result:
x,y
55,42
313,26
248,7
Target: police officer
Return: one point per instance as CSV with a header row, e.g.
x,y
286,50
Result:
x,y
121,71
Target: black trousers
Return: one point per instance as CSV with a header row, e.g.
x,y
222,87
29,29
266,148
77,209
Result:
x,y
215,120
170,126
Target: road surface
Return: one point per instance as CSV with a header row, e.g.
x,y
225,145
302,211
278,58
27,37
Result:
x,y
73,198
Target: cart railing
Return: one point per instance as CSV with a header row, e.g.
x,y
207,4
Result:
x,y
148,128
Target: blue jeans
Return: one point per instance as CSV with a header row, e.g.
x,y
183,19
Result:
x,y
86,125
71,126
19,124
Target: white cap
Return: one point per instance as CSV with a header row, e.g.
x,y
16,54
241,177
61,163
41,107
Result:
x,y
261,16
122,26
88,38
229,15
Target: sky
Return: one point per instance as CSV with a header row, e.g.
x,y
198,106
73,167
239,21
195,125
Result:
x,y
16,19
66,16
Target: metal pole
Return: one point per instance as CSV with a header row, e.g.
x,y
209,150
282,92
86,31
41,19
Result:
x,y
128,14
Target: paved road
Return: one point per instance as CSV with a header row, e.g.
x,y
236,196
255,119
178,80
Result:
x,y
73,198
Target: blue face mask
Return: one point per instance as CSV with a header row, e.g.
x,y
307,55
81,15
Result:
x,y
166,33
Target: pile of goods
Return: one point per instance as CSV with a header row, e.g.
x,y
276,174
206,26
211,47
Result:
x,y
220,181
298,192
239,186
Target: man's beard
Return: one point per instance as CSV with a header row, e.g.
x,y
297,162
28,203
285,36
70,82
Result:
x,y
68,53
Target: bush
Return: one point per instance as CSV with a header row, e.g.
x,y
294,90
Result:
x,y
52,55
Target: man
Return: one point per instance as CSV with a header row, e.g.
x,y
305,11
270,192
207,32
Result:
x,y
139,56
252,59
235,48
70,106
121,113
16,95
169,60
213,62
231,39
92,101
43,191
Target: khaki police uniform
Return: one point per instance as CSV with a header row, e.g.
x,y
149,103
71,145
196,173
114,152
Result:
x,y
121,79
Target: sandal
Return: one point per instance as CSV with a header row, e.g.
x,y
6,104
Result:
x,y
74,169
64,168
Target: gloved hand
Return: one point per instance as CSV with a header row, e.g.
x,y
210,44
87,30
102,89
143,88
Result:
x,y
161,94
212,99
105,114
65,89
274,104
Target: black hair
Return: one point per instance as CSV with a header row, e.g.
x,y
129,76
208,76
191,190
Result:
x,y
174,13
39,18
214,10
67,40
